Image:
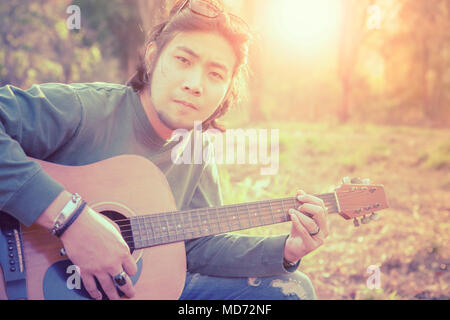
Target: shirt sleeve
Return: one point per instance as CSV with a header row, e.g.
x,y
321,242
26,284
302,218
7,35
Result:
x,y
229,254
33,123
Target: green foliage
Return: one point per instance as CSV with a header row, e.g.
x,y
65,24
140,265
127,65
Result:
x,y
36,45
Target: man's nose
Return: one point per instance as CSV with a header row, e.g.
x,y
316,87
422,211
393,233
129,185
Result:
x,y
193,84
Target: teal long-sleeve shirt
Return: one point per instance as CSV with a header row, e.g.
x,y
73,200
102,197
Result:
x,y
78,124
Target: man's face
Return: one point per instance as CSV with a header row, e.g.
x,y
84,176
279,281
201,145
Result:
x,y
191,78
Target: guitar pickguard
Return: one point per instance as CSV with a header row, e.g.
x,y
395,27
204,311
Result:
x,y
62,282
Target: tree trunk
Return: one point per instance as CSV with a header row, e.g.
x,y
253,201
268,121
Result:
x,y
352,33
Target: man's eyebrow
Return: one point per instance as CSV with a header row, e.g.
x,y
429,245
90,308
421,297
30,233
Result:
x,y
212,63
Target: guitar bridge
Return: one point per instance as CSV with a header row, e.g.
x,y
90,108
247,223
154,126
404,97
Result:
x,y
12,258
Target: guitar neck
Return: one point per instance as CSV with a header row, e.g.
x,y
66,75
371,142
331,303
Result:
x,y
167,227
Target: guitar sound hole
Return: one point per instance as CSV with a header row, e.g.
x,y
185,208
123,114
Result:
x,y
124,225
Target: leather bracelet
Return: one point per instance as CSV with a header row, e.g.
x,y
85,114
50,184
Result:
x,y
66,212
71,220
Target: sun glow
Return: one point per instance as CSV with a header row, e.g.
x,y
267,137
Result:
x,y
304,23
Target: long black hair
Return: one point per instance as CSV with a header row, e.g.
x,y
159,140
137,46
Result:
x,y
162,34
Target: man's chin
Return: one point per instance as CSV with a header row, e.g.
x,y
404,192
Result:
x,y
173,124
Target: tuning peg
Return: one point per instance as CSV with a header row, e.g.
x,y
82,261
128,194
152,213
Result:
x,y
356,181
366,181
374,216
346,180
365,220
355,222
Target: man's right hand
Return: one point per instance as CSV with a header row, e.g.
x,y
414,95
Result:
x,y
94,245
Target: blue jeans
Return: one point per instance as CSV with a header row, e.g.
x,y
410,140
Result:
x,y
293,286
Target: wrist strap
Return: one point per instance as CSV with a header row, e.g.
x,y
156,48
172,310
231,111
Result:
x,y
72,218
66,212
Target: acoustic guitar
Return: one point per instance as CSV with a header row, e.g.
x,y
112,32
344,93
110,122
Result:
x,y
136,198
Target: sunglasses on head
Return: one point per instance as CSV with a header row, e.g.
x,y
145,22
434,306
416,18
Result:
x,y
208,9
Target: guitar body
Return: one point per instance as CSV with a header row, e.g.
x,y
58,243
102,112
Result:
x,y
119,188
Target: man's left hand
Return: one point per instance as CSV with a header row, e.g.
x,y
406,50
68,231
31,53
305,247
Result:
x,y
307,233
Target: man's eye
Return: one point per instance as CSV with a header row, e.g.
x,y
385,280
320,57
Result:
x,y
183,60
217,75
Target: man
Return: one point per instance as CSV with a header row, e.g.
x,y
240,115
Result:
x,y
190,72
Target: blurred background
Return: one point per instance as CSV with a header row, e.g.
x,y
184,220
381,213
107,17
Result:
x,y
357,88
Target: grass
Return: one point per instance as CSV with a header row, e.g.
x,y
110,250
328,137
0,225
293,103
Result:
x,y
410,241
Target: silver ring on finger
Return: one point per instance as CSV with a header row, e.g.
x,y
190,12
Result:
x,y
315,232
120,279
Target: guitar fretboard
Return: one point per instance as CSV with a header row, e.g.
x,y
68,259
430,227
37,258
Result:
x,y
167,227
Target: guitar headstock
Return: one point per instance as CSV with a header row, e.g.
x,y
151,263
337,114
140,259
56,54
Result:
x,y
358,198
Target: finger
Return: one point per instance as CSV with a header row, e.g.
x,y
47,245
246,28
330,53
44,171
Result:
x,y
307,198
300,227
308,222
108,286
129,265
128,288
317,214
91,286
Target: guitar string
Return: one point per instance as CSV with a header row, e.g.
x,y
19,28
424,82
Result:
x,y
215,220
212,220
165,238
199,210
207,210
218,222
132,243
325,197
330,198
166,234
158,233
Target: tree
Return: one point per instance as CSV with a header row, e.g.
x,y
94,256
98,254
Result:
x,y
352,33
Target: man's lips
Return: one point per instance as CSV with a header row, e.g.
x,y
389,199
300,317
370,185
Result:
x,y
185,103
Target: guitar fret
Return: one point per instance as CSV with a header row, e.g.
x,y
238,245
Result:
x,y
232,218
166,228
172,226
284,211
141,236
249,216
179,226
152,228
280,212
188,217
218,219
239,221
228,220
204,223
198,224
271,212
208,222
157,226
147,240
260,213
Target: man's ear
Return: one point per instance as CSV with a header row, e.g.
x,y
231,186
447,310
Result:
x,y
150,53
